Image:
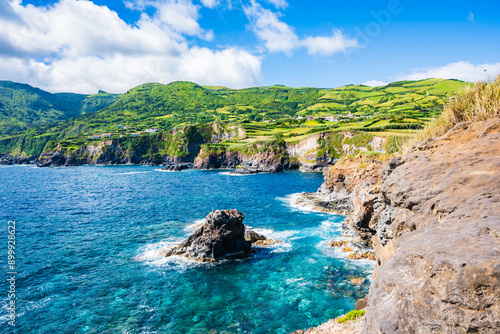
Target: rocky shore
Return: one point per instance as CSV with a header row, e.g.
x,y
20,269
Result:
x,y
433,219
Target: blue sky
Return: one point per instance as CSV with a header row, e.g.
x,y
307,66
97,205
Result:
x,y
82,46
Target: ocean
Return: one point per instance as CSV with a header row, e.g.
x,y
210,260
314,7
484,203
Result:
x,y
88,242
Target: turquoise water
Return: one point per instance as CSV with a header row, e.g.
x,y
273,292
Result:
x,y
88,242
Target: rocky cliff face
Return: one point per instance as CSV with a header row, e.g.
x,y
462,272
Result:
x,y
434,222
437,240
316,153
306,153
350,181
266,157
6,159
257,162
173,147
108,152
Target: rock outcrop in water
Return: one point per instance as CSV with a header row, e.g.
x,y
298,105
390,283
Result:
x,y
221,236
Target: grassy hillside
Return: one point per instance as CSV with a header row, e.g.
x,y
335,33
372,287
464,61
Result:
x,y
263,112
23,106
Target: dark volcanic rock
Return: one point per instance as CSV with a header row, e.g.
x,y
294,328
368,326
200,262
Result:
x,y
10,160
221,236
259,169
176,167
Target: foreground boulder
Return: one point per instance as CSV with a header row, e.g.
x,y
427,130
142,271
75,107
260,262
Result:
x,y
221,236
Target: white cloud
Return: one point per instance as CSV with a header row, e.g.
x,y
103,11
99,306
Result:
x,y
279,3
78,46
182,16
210,3
327,45
461,70
278,36
374,83
470,17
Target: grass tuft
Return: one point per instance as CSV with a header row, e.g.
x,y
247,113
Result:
x,y
477,102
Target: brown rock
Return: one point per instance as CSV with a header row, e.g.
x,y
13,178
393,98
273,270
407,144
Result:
x,y
438,237
357,281
362,256
361,304
339,243
266,242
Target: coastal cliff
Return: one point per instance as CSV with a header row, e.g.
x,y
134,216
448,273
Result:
x,y
434,223
257,157
437,240
173,147
314,153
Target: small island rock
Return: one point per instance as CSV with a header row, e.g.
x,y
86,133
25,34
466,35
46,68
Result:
x,y
222,236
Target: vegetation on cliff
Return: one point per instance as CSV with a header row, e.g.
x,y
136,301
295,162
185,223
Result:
x,y
476,102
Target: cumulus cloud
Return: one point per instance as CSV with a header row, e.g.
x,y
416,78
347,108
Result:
x,y
278,36
374,83
78,46
327,45
461,70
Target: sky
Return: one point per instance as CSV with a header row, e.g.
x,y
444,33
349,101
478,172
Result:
x,y
83,46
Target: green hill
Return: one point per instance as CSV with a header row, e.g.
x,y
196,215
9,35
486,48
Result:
x,y
23,106
392,110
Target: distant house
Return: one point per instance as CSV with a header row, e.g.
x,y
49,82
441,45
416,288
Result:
x,y
122,127
96,136
310,118
300,117
135,134
332,119
104,135
152,130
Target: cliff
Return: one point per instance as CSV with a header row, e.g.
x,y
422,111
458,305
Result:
x,y
176,146
314,153
434,223
322,150
438,242
351,180
269,156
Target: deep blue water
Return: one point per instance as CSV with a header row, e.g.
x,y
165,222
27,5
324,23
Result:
x,y
88,242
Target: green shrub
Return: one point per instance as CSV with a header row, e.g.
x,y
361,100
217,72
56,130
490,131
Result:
x,y
352,315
